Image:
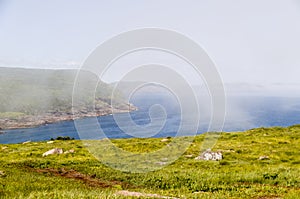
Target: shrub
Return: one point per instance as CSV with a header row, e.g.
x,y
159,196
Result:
x,y
269,176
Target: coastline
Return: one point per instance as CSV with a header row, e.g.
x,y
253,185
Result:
x,y
31,121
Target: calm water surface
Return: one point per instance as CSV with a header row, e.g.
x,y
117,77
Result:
x,y
247,112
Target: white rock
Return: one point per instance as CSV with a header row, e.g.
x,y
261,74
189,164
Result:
x,y
70,151
209,155
50,142
2,173
264,157
53,151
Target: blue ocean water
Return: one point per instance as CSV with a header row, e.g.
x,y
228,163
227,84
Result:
x,y
244,113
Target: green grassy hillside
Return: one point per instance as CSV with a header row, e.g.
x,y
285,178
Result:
x,y
32,97
35,91
24,173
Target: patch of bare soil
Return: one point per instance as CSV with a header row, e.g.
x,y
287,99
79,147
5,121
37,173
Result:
x,y
95,182
89,180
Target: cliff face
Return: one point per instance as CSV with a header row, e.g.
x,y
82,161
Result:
x,y
31,97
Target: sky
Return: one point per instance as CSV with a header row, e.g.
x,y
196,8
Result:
x,y
254,42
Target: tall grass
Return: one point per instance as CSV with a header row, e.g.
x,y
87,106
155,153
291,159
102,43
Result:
x,y
239,175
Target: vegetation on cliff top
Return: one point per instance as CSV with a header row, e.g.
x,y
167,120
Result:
x,y
32,97
26,174
36,91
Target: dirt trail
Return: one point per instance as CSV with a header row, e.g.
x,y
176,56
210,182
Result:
x,y
89,180
96,182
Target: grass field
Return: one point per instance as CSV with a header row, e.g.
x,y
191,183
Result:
x,y
26,174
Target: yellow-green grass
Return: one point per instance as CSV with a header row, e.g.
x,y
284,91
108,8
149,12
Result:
x,y
11,115
239,175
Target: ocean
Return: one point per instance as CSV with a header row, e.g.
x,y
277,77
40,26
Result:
x,y
243,112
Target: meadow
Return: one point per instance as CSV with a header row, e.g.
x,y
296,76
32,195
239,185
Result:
x,y
25,173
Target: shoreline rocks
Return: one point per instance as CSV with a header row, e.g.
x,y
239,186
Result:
x,y
30,121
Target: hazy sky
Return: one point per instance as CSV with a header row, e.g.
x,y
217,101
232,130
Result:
x,y
251,41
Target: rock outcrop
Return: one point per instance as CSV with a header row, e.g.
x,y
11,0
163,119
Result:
x,y
264,157
209,155
53,151
2,173
70,151
29,121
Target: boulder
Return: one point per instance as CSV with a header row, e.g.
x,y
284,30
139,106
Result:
x,y
264,157
2,173
209,155
70,151
53,151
